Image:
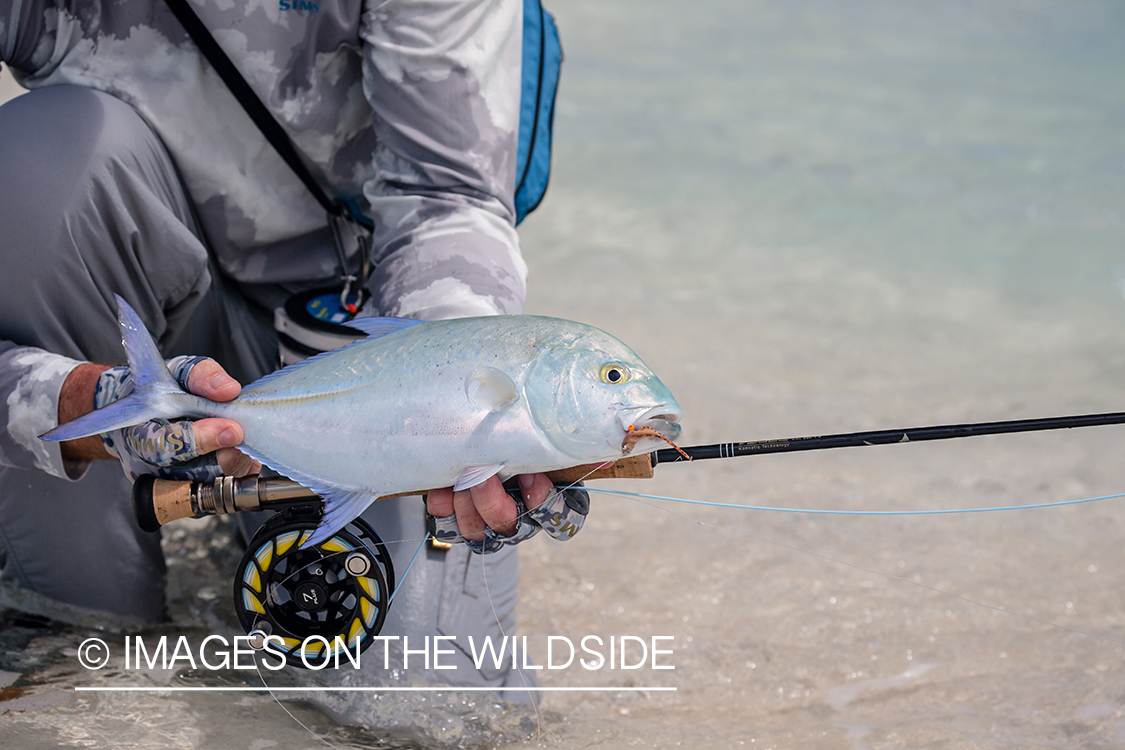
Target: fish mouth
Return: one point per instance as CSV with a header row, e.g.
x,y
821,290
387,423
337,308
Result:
x,y
660,423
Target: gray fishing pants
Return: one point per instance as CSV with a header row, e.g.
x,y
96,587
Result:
x,y
92,206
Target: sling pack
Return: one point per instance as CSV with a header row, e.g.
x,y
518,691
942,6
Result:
x,y
542,63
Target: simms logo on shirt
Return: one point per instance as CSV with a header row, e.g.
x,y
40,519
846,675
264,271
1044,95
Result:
x,y
299,5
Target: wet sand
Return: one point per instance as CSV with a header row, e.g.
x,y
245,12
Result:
x,y
807,220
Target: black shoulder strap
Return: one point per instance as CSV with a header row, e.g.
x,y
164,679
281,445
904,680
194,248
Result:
x,y
250,102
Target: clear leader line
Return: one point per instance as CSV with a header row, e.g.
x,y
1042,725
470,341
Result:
x,y
358,689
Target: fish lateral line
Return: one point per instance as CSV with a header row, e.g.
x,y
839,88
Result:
x,y
274,399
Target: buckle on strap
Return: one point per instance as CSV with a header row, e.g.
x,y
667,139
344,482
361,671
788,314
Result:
x,y
352,241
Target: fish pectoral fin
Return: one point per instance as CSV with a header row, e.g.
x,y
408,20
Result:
x,y
491,389
474,475
340,508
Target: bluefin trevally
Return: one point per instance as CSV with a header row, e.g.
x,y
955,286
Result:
x,y
417,405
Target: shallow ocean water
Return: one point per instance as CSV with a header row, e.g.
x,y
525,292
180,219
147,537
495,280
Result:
x,y
808,219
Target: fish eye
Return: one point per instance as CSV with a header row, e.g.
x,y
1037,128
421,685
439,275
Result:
x,y
614,374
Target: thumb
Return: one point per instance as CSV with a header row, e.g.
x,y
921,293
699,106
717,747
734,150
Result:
x,y
209,380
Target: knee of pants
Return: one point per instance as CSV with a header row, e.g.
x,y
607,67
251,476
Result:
x,y
77,542
93,206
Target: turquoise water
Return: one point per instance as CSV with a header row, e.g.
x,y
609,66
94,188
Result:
x,y
825,217
813,218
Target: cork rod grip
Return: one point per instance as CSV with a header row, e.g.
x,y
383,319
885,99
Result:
x,y
633,467
157,502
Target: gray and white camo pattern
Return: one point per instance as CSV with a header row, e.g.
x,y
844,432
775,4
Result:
x,y
409,107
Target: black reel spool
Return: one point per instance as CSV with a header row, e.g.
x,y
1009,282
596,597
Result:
x,y
340,587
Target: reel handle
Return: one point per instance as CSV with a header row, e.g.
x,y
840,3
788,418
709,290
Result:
x,y
160,501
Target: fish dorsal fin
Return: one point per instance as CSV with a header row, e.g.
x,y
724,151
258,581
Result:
x,y
491,389
474,475
376,327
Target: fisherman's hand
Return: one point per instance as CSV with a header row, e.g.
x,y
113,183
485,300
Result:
x,y
199,451
487,516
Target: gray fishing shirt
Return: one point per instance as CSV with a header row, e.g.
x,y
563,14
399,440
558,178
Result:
x,y
411,108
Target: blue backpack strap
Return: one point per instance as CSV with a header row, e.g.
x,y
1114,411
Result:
x,y
542,61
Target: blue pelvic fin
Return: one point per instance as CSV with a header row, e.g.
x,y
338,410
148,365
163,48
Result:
x,y
376,327
156,394
474,475
340,508
340,505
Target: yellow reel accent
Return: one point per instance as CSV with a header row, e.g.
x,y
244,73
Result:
x,y
250,602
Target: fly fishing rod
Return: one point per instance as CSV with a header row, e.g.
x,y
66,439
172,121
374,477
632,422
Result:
x,y
308,597
883,437
157,501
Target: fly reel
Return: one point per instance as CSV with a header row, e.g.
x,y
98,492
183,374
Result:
x,y
308,597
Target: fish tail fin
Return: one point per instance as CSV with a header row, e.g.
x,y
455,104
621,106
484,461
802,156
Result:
x,y
156,394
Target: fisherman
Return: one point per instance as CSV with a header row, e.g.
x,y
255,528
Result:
x,y
130,168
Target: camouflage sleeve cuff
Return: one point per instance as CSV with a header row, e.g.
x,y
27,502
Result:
x,y
30,382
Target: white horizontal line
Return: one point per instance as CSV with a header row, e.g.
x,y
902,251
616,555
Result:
x,y
249,689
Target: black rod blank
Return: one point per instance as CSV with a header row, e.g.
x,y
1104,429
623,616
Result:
x,y
885,437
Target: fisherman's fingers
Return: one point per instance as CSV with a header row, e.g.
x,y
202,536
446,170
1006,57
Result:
x,y
151,447
469,521
502,513
466,516
182,450
495,506
235,463
202,376
214,433
439,503
535,488
454,517
441,521
486,505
